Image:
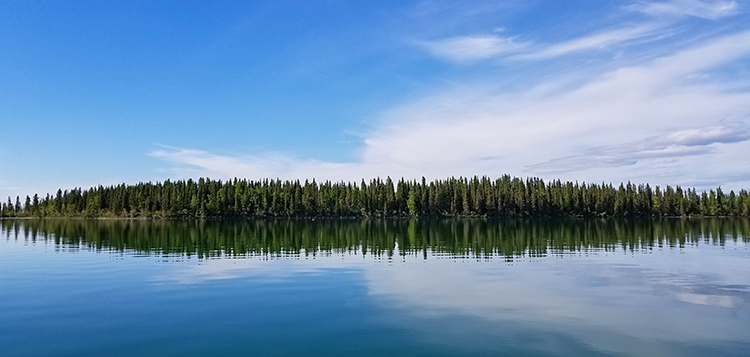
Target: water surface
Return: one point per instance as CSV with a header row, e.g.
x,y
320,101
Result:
x,y
399,288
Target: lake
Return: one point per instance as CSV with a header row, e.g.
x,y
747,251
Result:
x,y
669,287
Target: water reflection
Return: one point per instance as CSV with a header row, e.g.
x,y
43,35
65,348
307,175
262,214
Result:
x,y
672,287
509,239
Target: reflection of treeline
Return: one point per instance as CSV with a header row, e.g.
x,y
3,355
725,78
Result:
x,y
477,197
470,238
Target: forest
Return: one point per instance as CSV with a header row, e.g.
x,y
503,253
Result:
x,y
453,197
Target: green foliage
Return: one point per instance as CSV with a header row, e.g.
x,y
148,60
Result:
x,y
411,203
466,197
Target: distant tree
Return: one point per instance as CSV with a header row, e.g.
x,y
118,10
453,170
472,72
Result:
x,y
412,203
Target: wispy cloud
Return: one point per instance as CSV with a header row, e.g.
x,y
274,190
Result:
x,y
675,144
625,102
662,15
224,166
8,189
669,109
191,162
712,10
591,42
480,47
470,48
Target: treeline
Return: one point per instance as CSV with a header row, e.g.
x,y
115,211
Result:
x,y
458,197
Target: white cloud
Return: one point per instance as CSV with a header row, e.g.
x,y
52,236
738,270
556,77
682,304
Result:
x,y
624,105
224,166
7,189
192,163
665,120
712,10
690,142
479,47
591,42
470,48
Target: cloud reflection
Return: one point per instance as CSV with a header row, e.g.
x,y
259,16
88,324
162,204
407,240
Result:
x,y
658,297
651,296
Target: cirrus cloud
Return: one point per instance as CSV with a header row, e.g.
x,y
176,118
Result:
x,y
470,48
672,118
712,10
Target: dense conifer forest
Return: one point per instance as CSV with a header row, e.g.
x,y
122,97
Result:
x,y
454,197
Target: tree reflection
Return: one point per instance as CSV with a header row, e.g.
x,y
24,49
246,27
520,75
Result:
x,y
471,238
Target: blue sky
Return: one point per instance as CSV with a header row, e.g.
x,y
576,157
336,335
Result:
x,y
106,92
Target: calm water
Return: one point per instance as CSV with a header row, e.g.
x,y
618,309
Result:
x,y
380,288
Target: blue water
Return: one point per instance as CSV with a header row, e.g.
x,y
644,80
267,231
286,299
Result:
x,y
65,297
